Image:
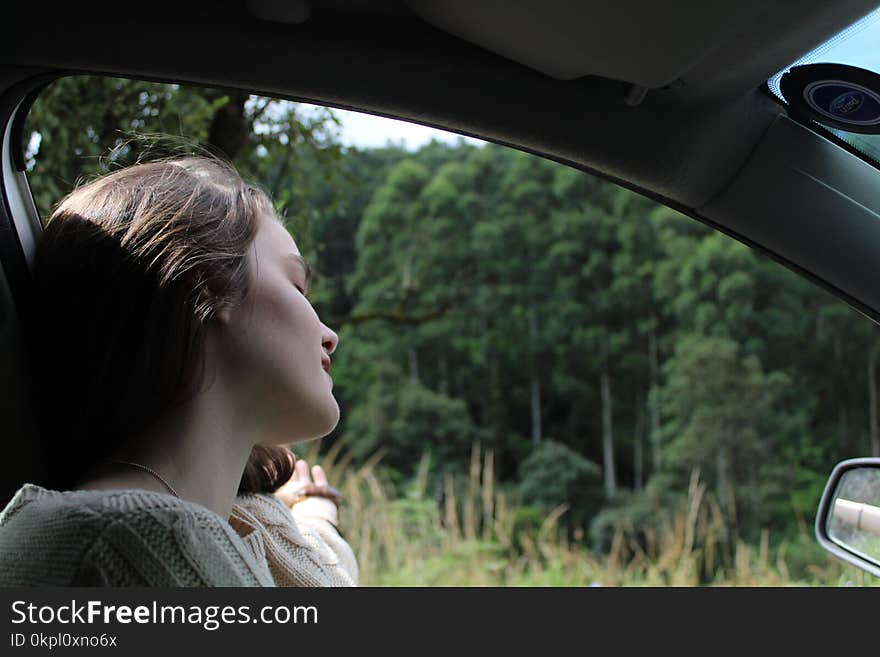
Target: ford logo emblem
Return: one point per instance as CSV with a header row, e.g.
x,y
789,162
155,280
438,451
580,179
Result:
x,y
847,103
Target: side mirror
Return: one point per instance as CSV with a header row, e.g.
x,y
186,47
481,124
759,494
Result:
x,y
848,521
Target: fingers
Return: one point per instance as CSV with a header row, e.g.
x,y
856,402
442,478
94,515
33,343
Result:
x,y
291,491
303,474
301,471
319,475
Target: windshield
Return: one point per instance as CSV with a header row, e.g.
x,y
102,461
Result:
x,y
857,45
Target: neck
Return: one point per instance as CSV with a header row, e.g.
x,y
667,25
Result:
x,y
198,453
200,449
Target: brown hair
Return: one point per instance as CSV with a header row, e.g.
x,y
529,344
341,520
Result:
x,y
128,274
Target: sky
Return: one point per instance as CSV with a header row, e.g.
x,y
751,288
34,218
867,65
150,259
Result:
x,y
366,130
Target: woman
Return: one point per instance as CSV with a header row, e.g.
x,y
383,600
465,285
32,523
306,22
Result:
x,y
174,352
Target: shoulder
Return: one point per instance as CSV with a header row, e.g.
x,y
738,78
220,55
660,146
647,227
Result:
x,y
125,537
100,508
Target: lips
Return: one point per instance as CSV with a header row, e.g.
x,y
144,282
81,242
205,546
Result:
x,y
325,363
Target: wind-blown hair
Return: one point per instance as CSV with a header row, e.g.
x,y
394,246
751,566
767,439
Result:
x,y
130,270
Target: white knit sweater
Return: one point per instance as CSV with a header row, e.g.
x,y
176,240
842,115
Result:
x,y
135,537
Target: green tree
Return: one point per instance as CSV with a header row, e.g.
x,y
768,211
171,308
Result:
x,y
554,474
722,417
404,419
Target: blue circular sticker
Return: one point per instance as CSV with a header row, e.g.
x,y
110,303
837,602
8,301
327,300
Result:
x,y
844,102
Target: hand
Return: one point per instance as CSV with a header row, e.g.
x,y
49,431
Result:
x,y
300,485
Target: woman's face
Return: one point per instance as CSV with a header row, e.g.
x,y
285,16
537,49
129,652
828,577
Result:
x,y
277,346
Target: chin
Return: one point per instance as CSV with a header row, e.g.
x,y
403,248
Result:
x,y
316,426
333,419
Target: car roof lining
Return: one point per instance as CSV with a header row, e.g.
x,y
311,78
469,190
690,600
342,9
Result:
x,y
400,67
568,40
688,42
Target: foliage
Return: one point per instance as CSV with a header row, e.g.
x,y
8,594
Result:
x,y
555,475
473,535
725,426
404,418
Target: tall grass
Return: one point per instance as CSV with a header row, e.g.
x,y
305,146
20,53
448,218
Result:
x,y
468,537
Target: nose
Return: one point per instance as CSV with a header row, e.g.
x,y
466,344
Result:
x,y
329,340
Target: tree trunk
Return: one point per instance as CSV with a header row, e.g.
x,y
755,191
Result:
x,y
444,374
872,400
653,407
280,174
489,411
413,364
721,477
495,399
726,498
607,435
638,459
230,129
536,410
533,376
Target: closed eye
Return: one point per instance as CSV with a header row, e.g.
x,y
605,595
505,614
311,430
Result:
x,y
306,271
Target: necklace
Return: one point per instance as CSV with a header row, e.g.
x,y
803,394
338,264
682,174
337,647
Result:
x,y
152,472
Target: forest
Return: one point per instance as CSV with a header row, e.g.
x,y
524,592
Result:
x,y
535,366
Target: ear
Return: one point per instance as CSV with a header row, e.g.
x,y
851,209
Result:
x,y
224,315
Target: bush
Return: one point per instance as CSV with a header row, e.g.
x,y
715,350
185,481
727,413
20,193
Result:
x,y
634,514
406,419
527,522
555,474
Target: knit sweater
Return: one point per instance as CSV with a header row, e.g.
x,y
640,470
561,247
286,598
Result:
x,y
135,537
